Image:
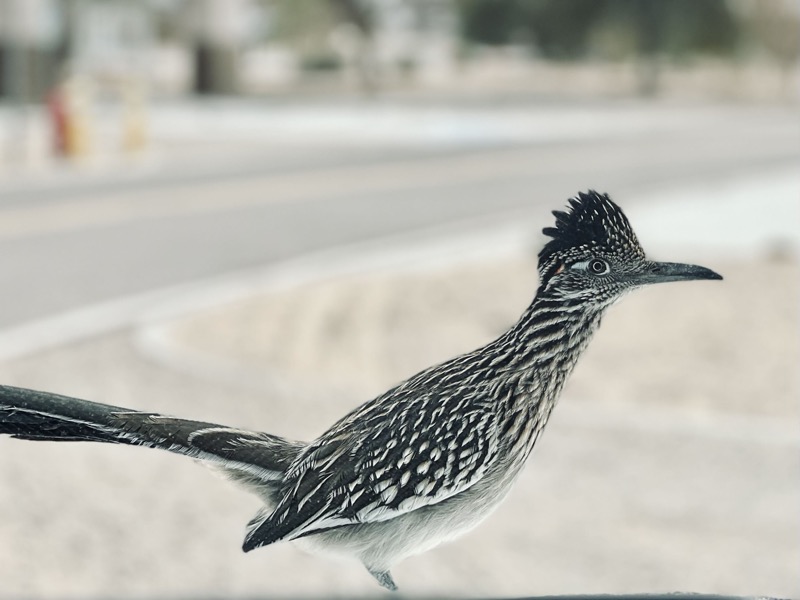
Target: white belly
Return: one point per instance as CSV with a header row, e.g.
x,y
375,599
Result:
x,y
383,544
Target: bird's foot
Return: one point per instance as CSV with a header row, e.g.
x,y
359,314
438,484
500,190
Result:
x,y
384,578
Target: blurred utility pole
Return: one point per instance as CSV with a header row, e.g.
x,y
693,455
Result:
x,y
649,18
360,15
28,38
219,25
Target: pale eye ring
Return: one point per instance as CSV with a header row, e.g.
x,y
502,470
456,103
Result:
x,y
598,267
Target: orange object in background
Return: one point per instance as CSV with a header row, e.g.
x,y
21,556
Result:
x,y
68,120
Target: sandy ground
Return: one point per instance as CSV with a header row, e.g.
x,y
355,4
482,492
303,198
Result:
x,y
670,346
671,463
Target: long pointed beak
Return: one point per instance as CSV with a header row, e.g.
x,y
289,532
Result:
x,y
661,272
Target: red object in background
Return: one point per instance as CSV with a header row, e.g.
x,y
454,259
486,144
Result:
x,y
59,119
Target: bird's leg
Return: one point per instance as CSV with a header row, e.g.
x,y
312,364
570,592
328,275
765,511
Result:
x,y
384,578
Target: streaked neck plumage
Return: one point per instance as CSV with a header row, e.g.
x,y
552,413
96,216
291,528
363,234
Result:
x,y
535,357
550,336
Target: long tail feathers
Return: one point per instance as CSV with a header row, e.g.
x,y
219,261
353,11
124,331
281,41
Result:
x,y
249,456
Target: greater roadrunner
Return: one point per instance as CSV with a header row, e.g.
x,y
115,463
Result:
x,y
429,459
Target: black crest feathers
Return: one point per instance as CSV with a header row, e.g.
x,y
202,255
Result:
x,y
593,221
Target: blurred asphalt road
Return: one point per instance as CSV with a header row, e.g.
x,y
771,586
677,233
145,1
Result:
x,y
233,186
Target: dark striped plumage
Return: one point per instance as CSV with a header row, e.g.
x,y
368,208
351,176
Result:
x,y
431,457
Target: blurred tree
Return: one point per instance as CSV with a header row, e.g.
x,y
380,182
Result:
x,y
563,29
611,29
304,25
490,22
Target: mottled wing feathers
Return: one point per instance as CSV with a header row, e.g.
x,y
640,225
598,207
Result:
x,y
399,453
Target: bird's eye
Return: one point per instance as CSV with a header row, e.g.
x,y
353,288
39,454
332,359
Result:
x,y
597,266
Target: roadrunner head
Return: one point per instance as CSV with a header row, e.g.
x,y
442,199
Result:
x,y
595,257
